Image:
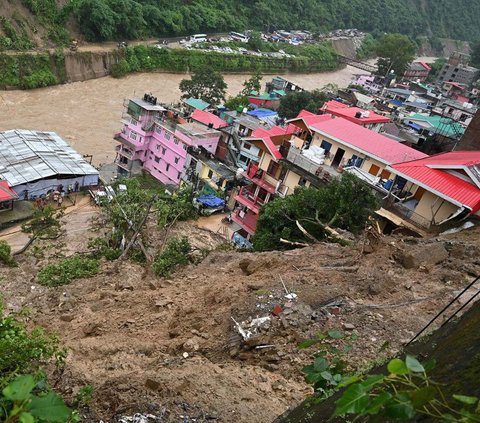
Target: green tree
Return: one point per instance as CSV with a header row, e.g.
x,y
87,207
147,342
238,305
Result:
x,y
45,223
475,55
96,19
206,84
255,41
395,52
254,83
295,101
436,68
344,203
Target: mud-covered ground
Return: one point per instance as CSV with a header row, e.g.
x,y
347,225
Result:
x,y
169,348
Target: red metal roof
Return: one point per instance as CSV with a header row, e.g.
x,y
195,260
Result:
x,y
342,110
206,117
441,182
6,193
310,118
366,141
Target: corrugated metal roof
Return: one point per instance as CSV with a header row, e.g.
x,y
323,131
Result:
x,y
369,142
197,103
441,181
207,117
27,156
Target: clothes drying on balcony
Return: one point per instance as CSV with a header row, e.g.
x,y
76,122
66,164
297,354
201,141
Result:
x,y
315,154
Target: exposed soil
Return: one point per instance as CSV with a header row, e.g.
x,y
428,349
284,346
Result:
x,y
128,331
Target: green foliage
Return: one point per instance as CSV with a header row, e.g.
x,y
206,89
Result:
x,y
45,223
254,83
6,255
475,55
22,350
176,253
101,247
147,59
295,101
437,66
120,69
19,403
328,371
233,103
66,270
29,71
395,52
402,394
368,48
84,396
105,19
205,84
344,203
358,88
255,41
176,207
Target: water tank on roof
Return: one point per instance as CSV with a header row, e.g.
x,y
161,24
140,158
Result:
x,y
366,114
358,115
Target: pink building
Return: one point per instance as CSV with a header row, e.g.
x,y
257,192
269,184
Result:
x,y
155,139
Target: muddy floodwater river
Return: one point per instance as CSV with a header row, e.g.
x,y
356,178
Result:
x,y
86,114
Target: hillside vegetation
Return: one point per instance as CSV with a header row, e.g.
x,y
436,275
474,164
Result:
x,y
44,21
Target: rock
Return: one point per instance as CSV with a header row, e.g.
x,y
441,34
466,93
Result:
x,y
92,329
349,326
192,344
67,317
413,257
173,333
244,266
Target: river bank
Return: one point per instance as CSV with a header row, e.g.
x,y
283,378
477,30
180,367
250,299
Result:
x,y
86,114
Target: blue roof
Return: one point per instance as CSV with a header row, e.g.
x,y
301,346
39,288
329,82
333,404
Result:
x,y
414,126
260,113
396,102
211,201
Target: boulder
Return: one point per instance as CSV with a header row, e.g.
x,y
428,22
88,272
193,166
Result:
x,y
412,257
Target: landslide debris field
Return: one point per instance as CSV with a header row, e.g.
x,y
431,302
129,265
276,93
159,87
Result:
x,y
169,347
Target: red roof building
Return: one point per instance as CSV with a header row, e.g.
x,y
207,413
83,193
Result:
x,y
366,142
366,118
208,118
453,176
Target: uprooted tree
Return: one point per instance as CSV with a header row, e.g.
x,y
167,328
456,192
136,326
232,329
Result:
x,y
311,215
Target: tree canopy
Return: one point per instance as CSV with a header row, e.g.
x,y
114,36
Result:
x,y
395,52
206,84
295,101
344,203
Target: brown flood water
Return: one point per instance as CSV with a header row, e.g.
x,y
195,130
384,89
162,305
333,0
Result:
x,y
86,114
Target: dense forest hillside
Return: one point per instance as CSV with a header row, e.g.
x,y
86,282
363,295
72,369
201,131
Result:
x,y
100,20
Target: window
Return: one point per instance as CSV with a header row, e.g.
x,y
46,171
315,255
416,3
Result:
x,y
185,147
177,159
272,168
175,140
210,174
157,159
134,121
167,135
302,182
178,175
133,135
157,147
164,150
167,167
327,146
247,146
158,130
140,140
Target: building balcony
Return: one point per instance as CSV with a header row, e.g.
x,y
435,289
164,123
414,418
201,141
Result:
x,y
259,177
124,152
247,200
246,220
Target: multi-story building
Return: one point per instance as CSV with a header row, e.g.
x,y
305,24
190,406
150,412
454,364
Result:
x,y
417,71
156,140
457,70
316,150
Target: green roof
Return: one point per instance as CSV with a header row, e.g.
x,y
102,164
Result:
x,y
439,124
281,93
196,103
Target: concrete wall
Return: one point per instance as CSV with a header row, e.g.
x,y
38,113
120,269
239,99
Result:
x,y
433,208
81,66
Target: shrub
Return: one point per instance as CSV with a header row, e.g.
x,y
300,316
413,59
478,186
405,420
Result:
x,y
176,253
6,255
66,270
120,69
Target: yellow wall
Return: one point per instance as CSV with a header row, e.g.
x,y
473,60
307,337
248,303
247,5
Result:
x,y
204,176
441,209
291,181
349,152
